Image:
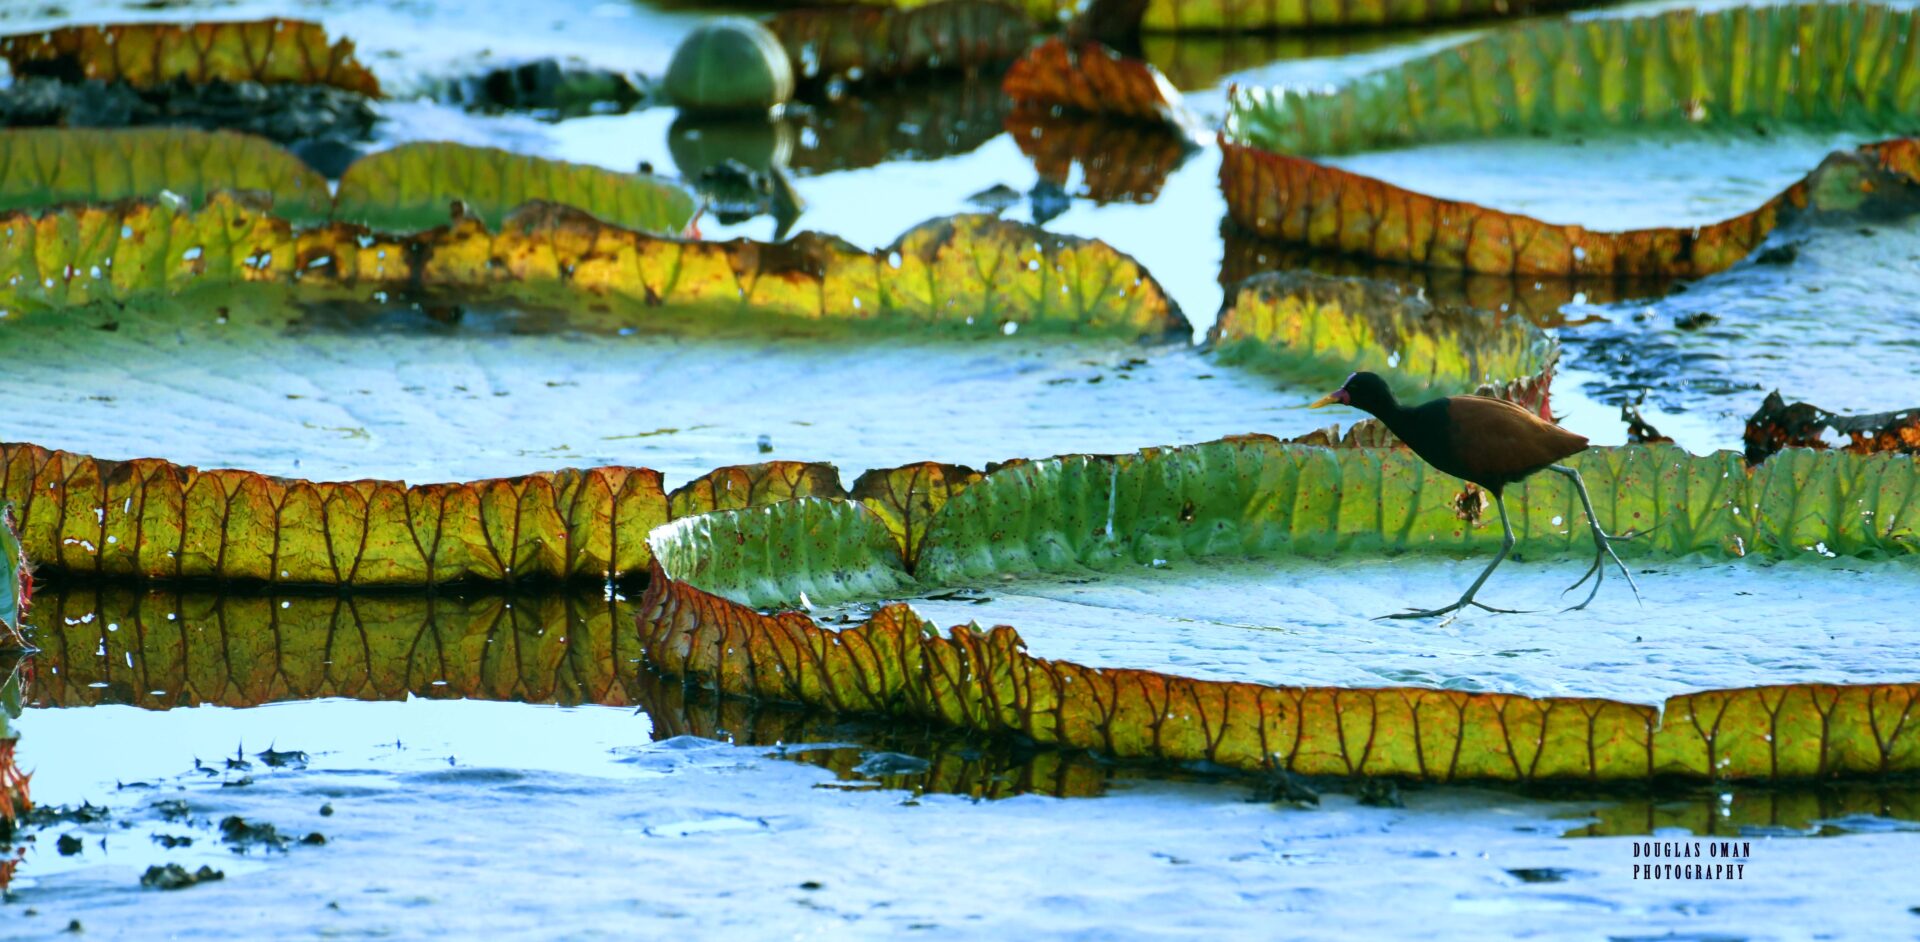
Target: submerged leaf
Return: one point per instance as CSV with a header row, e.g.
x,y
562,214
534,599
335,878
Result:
x,y
411,187
1777,425
1810,66
49,167
860,41
1319,328
142,54
753,485
963,272
1292,199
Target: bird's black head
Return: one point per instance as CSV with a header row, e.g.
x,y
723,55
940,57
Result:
x,y
1364,391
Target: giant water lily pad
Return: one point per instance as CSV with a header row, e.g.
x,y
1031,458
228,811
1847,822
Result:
x,y
704,614
408,188
963,272
1306,325
412,186
1842,66
268,51
1292,199
1820,67
1246,16
1542,301
50,167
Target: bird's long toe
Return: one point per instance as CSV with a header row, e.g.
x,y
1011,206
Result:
x,y
1591,571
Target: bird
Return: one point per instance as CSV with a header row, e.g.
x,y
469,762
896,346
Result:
x,y
1492,443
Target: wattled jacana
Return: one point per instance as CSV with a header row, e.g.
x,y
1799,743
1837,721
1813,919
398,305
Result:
x,y
1492,443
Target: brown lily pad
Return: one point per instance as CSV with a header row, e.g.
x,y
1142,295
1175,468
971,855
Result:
x,y
1292,199
1777,425
1091,78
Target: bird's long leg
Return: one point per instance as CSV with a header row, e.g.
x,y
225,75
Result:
x,y
1602,543
1506,546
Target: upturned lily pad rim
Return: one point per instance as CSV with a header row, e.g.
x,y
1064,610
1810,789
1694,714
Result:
x,y
897,662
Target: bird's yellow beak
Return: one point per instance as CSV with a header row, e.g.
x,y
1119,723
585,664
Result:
x,y
1337,396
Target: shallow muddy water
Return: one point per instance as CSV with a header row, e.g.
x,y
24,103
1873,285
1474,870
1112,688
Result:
x,y
579,821
1702,626
499,766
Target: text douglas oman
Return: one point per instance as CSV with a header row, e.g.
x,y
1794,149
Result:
x,y
1698,860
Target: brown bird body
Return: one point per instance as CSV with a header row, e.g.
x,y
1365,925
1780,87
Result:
x,y
1490,442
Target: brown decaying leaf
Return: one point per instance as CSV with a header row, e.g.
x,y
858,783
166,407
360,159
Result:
x,y
1091,78
1639,430
896,663
1120,161
855,41
1776,425
956,271
273,51
906,499
1296,200
16,796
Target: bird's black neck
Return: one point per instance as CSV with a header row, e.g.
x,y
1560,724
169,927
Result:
x,y
1424,428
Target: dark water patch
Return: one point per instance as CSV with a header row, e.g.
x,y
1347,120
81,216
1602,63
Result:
x,y
476,777
159,650
163,650
1544,874
281,112
175,877
1816,326
918,121
1830,809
